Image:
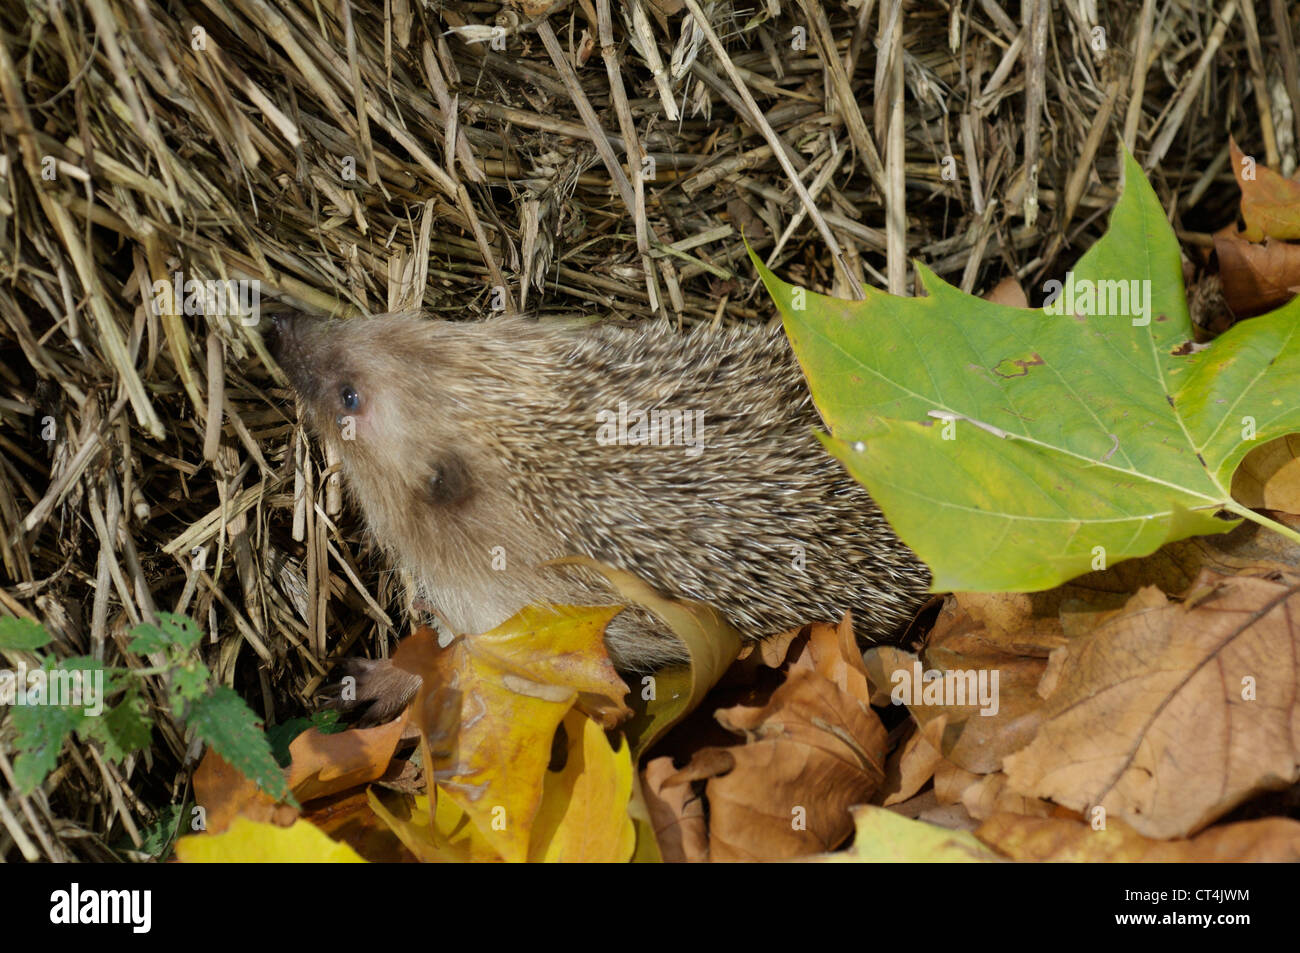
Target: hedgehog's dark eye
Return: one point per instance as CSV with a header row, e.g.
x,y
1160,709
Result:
x,y
350,398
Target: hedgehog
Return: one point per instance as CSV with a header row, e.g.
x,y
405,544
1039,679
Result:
x,y
478,451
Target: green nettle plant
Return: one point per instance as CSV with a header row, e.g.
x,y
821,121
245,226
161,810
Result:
x,y
1013,449
42,720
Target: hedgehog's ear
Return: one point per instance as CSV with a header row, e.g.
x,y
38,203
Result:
x,y
449,481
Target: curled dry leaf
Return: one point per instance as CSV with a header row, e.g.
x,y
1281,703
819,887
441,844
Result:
x,y
1170,715
1270,202
812,751
676,813
951,781
926,807
832,652
1256,278
1000,641
812,747
988,794
326,764
914,763
1004,686
1269,477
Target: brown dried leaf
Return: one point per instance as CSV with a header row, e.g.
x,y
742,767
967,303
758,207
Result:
x,y
1274,839
1171,714
914,763
988,794
1008,291
327,764
989,700
676,813
1269,477
1256,278
926,807
812,751
1270,202
225,793
832,652
950,782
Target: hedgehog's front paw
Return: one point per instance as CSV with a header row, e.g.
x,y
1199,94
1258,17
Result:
x,y
375,686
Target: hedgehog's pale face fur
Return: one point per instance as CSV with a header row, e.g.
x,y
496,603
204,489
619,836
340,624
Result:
x,y
468,443
410,409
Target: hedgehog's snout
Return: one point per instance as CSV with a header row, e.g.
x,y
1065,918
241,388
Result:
x,y
282,336
286,340
282,327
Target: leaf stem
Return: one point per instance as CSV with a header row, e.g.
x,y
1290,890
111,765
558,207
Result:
x,y
1262,520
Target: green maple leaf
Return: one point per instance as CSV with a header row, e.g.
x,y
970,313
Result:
x,y
1013,449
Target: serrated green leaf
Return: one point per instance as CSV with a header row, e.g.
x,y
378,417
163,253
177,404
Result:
x,y
1070,441
189,683
281,736
124,728
22,635
172,630
40,732
156,838
147,637
327,722
222,720
180,629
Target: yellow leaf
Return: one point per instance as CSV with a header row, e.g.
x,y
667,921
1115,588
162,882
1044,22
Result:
x,y
251,842
883,836
453,838
489,706
710,641
584,811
